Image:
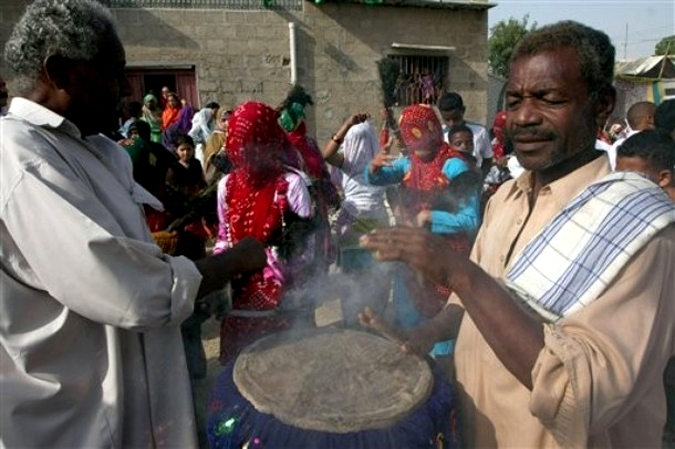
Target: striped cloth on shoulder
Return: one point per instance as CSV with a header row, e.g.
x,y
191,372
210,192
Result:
x,y
575,256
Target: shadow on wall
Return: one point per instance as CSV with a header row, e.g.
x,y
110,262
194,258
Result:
x,y
138,26
344,62
305,47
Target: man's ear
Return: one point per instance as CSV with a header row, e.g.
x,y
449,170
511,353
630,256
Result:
x,y
58,71
666,179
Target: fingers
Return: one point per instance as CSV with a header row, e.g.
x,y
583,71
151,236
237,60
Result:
x,y
386,149
371,320
359,117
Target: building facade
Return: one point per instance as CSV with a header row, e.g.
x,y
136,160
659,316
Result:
x,y
231,51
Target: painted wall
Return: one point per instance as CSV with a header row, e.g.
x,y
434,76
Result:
x,y
241,55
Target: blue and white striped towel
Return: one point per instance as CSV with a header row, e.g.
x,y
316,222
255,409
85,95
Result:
x,y
573,259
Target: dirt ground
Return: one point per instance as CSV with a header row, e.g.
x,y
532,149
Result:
x,y
211,342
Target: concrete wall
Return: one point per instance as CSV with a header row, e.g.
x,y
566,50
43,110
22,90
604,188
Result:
x,y
241,55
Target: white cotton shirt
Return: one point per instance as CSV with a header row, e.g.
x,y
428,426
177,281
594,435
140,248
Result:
x,y
482,148
90,308
614,149
359,148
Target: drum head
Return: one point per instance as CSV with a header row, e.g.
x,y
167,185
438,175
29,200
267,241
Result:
x,y
332,380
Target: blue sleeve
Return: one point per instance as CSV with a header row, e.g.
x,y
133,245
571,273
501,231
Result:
x,y
388,175
454,167
467,218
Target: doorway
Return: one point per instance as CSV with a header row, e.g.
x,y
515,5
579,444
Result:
x,y
151,80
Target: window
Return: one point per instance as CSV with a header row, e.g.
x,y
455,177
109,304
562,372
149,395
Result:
x,y
422,79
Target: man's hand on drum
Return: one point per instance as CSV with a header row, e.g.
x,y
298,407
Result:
x,y
419,248
416,341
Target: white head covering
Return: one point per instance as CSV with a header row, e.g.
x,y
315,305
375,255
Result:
x,y
359,148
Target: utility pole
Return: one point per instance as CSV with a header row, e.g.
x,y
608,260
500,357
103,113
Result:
x,y
625,42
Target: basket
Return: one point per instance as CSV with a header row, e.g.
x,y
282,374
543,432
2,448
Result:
x,y
167,240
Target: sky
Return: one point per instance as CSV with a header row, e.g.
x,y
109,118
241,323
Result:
x,y
647,20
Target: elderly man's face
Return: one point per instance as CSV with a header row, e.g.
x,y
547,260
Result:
x,y
97,89
549,115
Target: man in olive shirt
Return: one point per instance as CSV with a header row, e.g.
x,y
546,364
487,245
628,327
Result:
x,y
566,350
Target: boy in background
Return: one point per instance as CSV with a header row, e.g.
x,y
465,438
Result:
x,y
651,152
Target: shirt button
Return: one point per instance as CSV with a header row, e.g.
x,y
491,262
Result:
x,y
502,258
519,222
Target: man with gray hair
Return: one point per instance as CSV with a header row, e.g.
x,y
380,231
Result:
x,y
564,314
90,307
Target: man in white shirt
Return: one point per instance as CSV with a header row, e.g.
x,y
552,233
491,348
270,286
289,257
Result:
x,y
640,116
90,307
451,107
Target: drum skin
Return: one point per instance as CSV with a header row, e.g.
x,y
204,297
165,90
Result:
x,y
331,389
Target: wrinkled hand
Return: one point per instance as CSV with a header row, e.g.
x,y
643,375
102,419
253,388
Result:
x,y
251,254
418,341
417,247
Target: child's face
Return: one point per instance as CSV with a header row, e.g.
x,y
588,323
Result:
x,y
185,152
453,117
462,141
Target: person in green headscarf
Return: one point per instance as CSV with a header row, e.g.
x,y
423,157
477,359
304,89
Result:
x,y
152,116
324,193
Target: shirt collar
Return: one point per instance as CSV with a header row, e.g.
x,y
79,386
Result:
x,y
564,189
39,115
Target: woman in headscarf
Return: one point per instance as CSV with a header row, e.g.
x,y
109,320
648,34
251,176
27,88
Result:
x,y
179,128
171,111
262,198
499,172
441,191
152,115
324,193
215,159
203,124
363,206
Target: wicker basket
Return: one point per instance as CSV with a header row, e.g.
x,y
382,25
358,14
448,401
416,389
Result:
x,y
167,240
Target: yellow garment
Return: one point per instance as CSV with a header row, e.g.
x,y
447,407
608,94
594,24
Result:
x,y
598,381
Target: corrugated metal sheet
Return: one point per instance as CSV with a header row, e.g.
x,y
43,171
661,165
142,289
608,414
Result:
x,y
649,67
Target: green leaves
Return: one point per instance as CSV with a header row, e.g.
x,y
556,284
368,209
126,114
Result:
x,y
504,36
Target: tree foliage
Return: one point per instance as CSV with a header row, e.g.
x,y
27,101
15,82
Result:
x,y
667,44
503,38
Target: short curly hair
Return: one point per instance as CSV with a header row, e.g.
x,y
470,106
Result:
x,y
654,146
594,49
71,28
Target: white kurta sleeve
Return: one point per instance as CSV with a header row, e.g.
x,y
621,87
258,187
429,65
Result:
x,y
87,262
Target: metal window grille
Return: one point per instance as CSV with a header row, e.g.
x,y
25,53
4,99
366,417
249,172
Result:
x,y
250,5
422,79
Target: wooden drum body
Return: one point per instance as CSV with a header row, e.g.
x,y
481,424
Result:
x,y
331,388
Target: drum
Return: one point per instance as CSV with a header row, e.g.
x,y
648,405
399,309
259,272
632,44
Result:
x,y
331,388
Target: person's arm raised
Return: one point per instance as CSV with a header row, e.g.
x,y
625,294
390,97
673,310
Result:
x,y
330,150
515,336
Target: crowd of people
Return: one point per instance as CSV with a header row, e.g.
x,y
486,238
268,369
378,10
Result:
x,y
536,255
